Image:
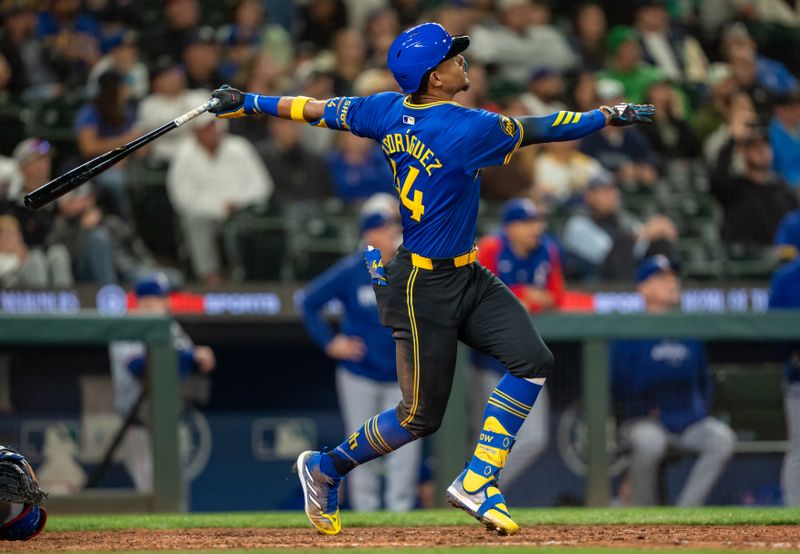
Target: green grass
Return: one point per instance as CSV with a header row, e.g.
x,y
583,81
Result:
x,y
554,516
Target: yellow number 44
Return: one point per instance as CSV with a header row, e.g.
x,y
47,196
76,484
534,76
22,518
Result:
x,y
415,205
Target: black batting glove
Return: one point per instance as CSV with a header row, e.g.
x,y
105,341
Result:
x,y
231,102
628,114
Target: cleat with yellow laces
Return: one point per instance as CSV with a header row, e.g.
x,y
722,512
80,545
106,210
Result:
x,y
320,493
485,504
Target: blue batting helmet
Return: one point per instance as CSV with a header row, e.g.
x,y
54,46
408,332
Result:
x,y
419,49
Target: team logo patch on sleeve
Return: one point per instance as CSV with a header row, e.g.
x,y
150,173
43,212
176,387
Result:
x,y
408,119
507,125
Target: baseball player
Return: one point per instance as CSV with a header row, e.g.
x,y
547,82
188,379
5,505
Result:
x,y
528,263
663,388
785,294
366,376
433,293
129,375
21,515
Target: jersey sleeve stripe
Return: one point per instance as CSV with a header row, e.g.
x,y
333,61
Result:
x,y
519,142
558,119
568,118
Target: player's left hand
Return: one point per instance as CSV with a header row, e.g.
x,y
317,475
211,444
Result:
x,y
628,114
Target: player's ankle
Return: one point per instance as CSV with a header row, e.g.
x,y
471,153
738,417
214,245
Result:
x,y
334,466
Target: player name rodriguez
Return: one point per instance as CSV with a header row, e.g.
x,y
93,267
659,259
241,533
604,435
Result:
x,y
394,143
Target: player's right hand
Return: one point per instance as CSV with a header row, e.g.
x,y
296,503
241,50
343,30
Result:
x,y
231,102
621,115
346,348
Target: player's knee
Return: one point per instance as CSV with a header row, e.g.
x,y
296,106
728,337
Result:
x,y
420,424
722,441
648,441
534,363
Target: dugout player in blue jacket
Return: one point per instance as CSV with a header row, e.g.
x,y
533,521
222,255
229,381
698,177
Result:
x,y
785,295
366,373
663,388
434,293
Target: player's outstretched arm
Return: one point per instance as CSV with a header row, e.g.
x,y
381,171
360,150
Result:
x,y
235,103
566,125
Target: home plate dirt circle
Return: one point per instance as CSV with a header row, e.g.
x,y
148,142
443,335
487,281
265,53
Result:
x,y
731,537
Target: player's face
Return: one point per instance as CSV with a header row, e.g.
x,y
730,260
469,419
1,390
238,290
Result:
x,y
453,74
661,291
526,235
153,305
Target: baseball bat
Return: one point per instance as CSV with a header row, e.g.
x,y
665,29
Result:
x,y
74,178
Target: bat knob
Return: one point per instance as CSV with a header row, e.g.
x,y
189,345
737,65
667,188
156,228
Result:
x,y
29,202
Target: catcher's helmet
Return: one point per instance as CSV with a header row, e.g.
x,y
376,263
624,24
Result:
x,y
419,49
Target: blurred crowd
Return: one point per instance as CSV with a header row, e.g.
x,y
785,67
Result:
x,y
214,201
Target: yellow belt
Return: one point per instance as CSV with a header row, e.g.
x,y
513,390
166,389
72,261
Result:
x,y
459,261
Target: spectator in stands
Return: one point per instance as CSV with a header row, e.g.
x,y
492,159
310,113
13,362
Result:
x,y
351,54
671,135
624,151
787,237
784,136
201,56
740,114
168,98
33,160
767,77
606,242
24,267
563,172
589,41
366,373
627,64
320,20
711,113
521,40
32,70
181,19
527,260
251,36
380,29
668,47
104,247
123,57
299,174
663,388
785,295
545,92
129,367
358,168
108,122
753,201
212,176
73,37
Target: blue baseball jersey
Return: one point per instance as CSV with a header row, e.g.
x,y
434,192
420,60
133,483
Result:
x,y
668,375
436,152
349,282
784,293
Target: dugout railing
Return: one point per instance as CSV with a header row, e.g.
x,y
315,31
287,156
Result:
x,y
593,332
88,328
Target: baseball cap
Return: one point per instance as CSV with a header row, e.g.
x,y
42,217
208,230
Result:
x,y
786,99
201,35
544,73
618,35
520,209
601,179
379,209
164,64
152,285
30,149
655,264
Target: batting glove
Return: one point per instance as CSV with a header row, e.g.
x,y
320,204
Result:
x,y
232,103
628,114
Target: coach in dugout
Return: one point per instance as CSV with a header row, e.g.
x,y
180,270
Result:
x,y
364,351
662,389
129,376
528,261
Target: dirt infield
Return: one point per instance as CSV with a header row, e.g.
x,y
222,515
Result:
x,y
779,537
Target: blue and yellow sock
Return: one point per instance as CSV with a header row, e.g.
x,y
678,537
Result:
x,y
377,437
508,406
